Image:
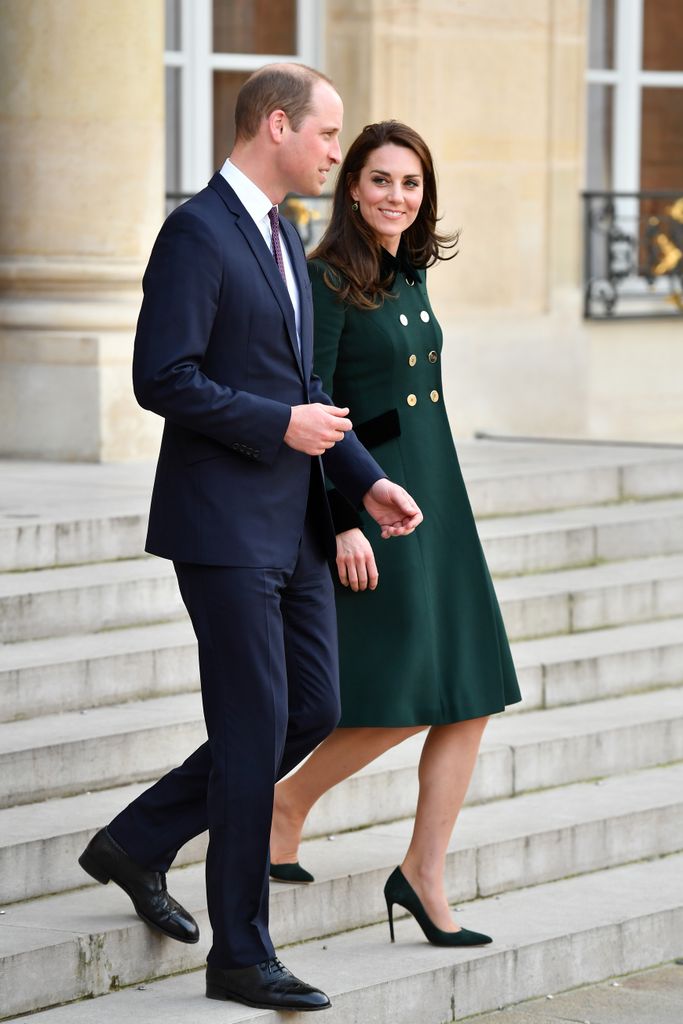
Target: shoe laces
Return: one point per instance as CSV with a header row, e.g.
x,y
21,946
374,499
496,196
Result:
x,y
275,966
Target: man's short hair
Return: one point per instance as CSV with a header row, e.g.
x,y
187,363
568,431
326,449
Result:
x,y
287,87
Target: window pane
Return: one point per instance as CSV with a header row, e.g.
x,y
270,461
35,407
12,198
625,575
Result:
x,y
663,35
661,160
173,179
601,34
599,138
254,26
226,85
172,25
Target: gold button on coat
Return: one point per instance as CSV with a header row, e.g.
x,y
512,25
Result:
x,y
434,395
432,357
424,316
411,400
412,359
404,319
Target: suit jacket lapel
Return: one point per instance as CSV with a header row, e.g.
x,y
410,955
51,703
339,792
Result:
x,y
264,257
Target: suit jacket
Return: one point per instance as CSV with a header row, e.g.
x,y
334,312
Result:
x,y
216,355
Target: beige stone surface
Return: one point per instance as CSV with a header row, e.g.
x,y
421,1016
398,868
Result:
x,y
81,161
497,90
522,374
81,127
636,380
556,375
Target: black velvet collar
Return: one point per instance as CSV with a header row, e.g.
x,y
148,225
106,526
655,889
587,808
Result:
x,y
400,263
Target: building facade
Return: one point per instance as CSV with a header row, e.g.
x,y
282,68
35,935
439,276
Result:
x,y
562,313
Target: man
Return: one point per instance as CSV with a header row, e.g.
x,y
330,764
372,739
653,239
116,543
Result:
x,y
224,351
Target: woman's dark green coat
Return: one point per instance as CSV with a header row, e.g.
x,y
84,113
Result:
x,y
428,646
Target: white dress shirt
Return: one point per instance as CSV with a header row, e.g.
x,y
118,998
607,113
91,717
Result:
x,y
257,204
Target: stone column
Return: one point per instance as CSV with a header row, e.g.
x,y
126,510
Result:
x,y
82,172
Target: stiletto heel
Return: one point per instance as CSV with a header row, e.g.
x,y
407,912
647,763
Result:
x,y
390,912
399,890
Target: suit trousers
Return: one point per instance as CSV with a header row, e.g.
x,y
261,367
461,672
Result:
x,y
270,691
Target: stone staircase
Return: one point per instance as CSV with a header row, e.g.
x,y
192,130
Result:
x,y
569,850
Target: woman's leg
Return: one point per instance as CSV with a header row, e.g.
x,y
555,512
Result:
x,y
344,752
446,765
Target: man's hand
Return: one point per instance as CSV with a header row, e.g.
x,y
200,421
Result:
x,y
392,507
316,427
356,561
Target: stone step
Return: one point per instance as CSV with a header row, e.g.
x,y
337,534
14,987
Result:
x,y
637,997
528,840
519,754
60,755
67,673
28,542
562,670
68,514
56,755
567,537
55,513
509,479
45,676
547,938
108,595
592,598
41,843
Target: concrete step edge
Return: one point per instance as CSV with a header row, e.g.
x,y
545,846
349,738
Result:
x,y
520,752
574,931
32,541
649,801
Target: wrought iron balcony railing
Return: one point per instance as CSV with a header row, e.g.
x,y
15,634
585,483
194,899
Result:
x,y
633,255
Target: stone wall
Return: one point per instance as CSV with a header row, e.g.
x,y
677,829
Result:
x,y
81,162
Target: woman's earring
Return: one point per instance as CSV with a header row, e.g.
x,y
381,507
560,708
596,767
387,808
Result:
x,y
355,207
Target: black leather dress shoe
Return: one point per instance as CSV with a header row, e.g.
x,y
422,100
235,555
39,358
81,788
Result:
x,y
104,860
269,986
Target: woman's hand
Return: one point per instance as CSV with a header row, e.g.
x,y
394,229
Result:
x,y
356,561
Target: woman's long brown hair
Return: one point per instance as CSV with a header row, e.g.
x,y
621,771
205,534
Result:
x,y
350,247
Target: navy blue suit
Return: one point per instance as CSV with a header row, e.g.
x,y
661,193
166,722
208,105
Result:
x,y
246,522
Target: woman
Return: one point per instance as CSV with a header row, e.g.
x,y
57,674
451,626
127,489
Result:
x,y
427,648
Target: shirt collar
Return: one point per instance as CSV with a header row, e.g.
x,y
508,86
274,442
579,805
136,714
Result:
x,y
256,202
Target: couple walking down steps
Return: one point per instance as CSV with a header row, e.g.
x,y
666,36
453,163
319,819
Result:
x,y
225,352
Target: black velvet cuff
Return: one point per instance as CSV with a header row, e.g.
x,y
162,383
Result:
x,y
379,429
344,515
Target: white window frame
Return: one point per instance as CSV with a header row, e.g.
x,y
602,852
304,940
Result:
x,y
628,80
197,63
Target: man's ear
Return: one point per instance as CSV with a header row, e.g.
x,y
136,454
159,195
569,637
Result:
x,y
278,123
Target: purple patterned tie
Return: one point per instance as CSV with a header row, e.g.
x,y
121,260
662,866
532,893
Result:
x,y
274,218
